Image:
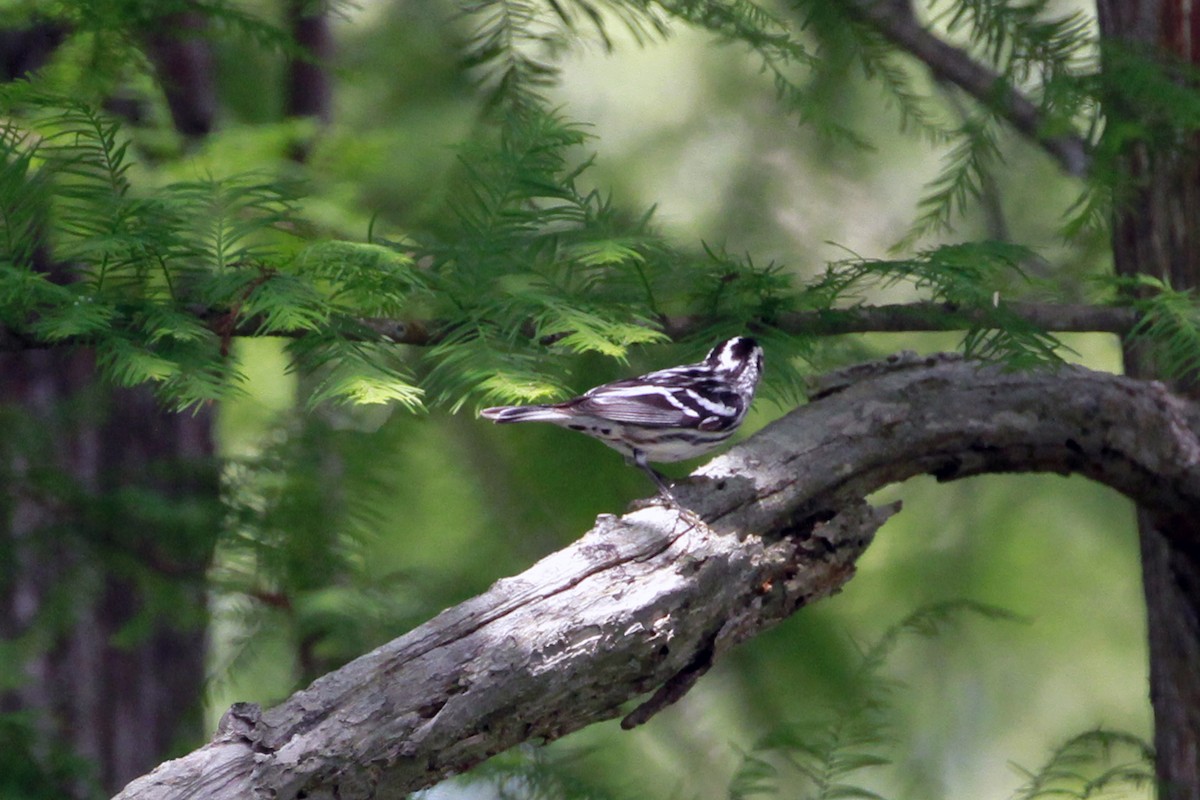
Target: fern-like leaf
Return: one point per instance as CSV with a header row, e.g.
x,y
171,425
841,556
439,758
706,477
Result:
x,y
358,372
472,365
234,221
1090,764
24,197
825,757
506,50
965,171
362,279
1169,324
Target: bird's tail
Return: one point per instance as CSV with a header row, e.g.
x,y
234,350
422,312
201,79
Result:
x,y
522,414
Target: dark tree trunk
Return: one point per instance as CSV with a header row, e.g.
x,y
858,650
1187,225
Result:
x,y
27,49
184,62
1156,231
309,92
110,511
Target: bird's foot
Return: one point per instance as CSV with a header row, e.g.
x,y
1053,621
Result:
x,y
686,514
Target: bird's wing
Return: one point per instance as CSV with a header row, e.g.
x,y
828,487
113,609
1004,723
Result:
x,y
650,404
642,404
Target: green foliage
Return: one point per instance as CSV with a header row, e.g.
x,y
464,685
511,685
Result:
x,y
848,49
231,17
499,48
219,245
964,277
780,53
296,544
1054,59
23,194
740,295
535,773
1020,38
1168,324
511,44
527,266
1091,764
530,256
825,757
1147,98
966,169
533,256
34,769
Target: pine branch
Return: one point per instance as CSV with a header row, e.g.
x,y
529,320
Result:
x,y
894,318
896,21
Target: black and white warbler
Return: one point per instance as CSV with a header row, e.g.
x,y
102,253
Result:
x,y
668,415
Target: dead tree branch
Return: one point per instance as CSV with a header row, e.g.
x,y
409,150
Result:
x,y
645,602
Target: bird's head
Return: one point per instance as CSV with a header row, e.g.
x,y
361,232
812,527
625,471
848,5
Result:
x,y
741,356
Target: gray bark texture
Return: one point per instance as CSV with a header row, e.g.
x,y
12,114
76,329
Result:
x,y
642,605
1156,232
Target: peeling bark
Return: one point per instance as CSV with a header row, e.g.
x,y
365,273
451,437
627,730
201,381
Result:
x,y
646,602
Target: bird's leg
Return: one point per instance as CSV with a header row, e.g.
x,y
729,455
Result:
x,y
664,491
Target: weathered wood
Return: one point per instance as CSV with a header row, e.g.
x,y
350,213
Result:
x,y
647,601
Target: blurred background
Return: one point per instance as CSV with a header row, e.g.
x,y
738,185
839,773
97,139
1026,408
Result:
x,y
370,521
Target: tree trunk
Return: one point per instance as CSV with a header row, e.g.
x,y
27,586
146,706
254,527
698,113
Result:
x,y
1156,231
110,511
184,62
309,92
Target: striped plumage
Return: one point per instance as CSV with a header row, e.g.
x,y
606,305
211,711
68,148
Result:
x,y
668,415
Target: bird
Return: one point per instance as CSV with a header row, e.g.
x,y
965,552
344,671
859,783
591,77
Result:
x,y
663,416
